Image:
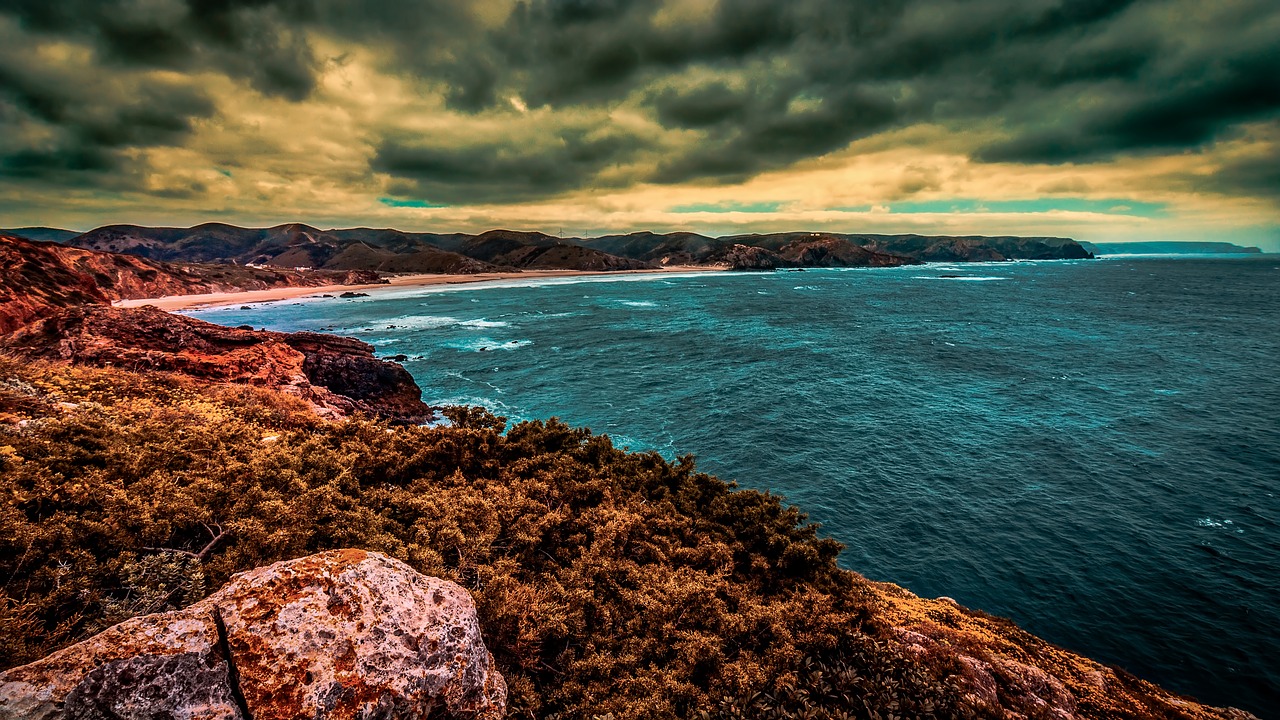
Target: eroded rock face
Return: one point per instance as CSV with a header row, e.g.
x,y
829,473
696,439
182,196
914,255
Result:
x,y
337,375
1004,671
343,634
41,277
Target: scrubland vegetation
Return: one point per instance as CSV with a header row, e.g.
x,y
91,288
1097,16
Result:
x,y
606,581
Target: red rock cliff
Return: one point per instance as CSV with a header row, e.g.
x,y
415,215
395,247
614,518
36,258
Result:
x,y
337,375
38,277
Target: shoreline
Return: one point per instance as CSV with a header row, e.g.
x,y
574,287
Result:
x,y
211,300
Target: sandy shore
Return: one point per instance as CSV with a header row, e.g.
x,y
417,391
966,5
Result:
x,y
245,297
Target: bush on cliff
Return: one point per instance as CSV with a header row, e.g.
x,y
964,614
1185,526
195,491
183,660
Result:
x,y
607,582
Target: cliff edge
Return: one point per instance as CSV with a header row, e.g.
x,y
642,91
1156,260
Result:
x,y
338,376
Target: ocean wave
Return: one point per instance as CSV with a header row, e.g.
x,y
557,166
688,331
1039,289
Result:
x,y
486,344
429,322
497,407
411,322
970,278
554,281
1209,522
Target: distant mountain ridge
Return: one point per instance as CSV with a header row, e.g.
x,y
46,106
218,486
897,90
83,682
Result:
x,y
43,234
820,249
296,245
1169,248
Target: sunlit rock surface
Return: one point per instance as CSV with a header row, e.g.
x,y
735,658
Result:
x,y
342,634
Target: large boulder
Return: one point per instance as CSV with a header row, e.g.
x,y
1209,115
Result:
x,y
342,634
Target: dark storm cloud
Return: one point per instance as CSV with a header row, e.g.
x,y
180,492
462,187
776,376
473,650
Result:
x,y
1256,173
502,170
65,126
746,137
740,86
1257,176
259,41
1183,111
1065,80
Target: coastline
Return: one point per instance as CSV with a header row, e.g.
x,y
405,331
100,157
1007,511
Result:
x,y
209,300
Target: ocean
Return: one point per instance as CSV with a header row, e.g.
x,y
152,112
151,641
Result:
x,y
1091,448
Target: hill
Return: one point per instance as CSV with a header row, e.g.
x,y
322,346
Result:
x,y
388,250
43,234
1170,248
808,249
40,277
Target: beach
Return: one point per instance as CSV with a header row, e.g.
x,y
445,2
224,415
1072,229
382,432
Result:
x,y
243,297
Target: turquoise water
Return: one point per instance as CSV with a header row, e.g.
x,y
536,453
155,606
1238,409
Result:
x,y
1091,448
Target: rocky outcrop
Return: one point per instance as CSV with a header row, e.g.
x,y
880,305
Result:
x,y
538,251
36,279
825,249
812,250
337,375
343,634
1004,671
822,250
974,248
746,257
40,277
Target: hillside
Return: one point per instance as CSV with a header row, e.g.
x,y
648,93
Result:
x,y
389,250
42,234
605,582
807,249
42,276
1170,248
386,250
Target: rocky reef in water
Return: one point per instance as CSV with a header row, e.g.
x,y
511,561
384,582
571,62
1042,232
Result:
x,y
341,635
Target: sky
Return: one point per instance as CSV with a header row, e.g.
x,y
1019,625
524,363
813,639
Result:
x,y
1102,120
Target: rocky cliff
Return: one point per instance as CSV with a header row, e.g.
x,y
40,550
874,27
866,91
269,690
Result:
x,y
877,250
341,635
974,248
806,250
337,375
42,276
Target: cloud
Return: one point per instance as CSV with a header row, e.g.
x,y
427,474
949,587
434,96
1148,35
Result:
x,y
66,120
538,159
451,101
